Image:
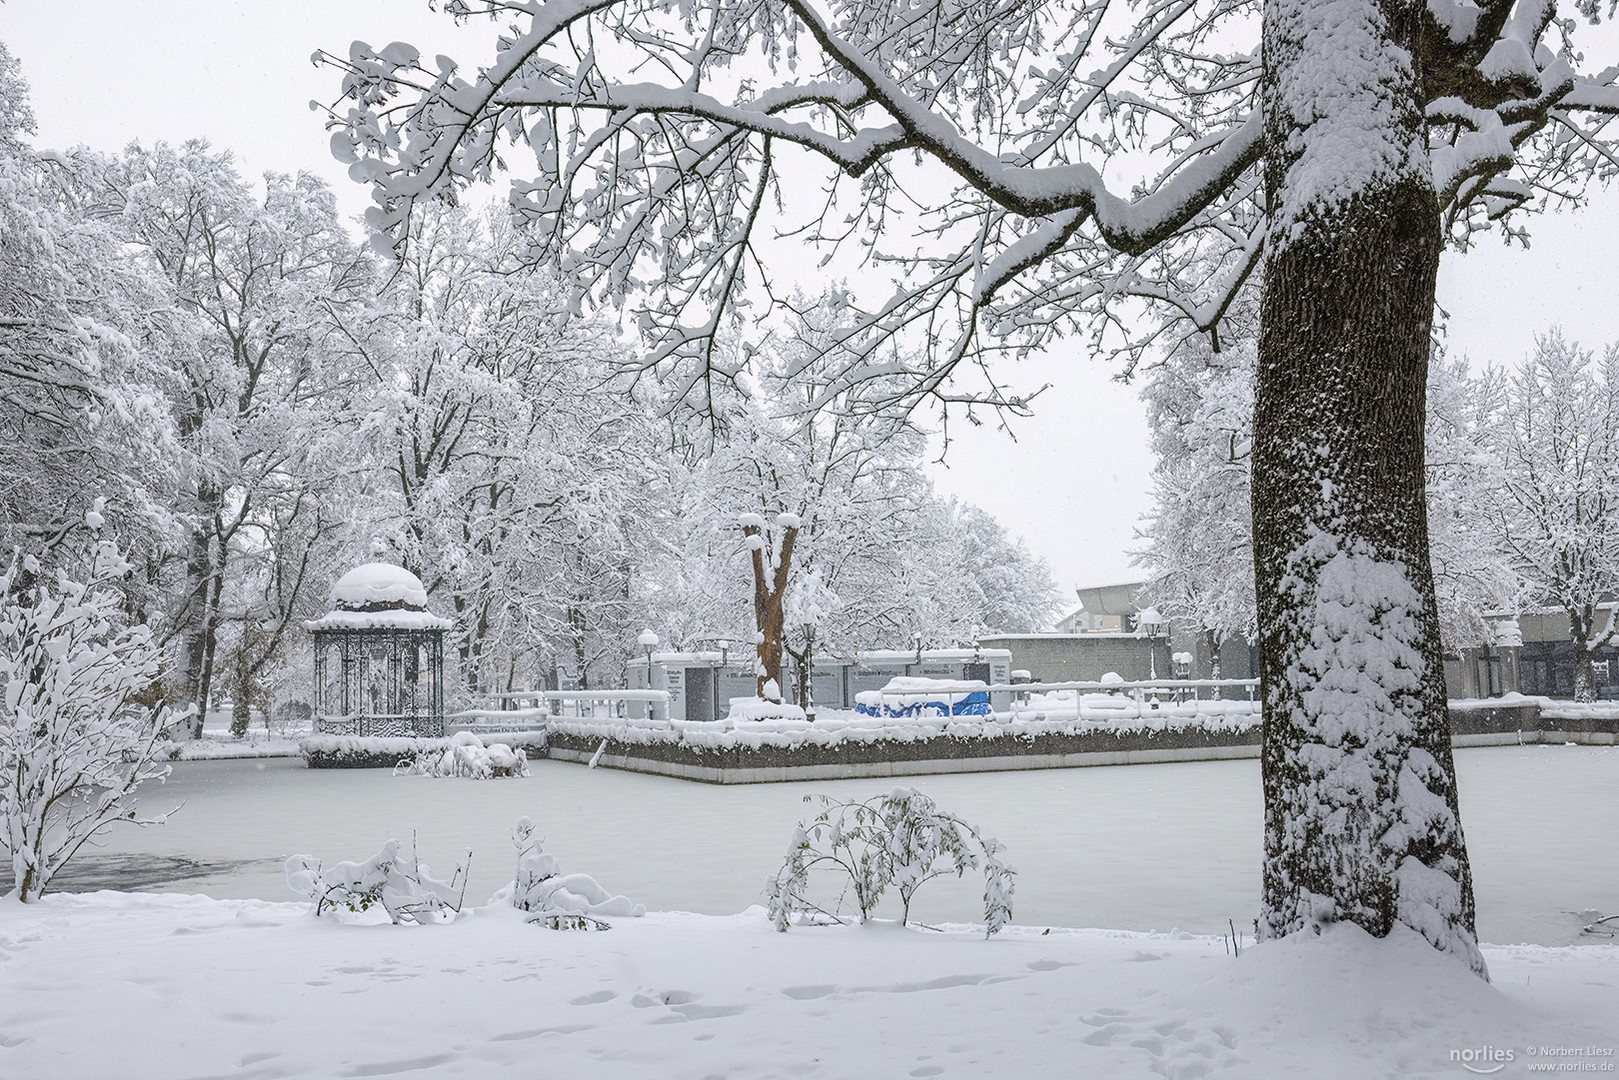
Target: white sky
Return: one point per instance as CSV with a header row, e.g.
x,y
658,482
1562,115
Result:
x,y
1074,483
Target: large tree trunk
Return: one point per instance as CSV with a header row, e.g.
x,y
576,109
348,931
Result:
x,y
205,583
1361,819
1584,682
769,595
1212,639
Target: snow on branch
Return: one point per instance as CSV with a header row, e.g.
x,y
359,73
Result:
x,y
962,146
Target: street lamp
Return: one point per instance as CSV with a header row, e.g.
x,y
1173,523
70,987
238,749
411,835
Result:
x,y
809,671
917,637
649,641
1150,619
725,649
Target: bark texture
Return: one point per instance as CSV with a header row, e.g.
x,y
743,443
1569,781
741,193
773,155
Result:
x,y
1361,820
769,593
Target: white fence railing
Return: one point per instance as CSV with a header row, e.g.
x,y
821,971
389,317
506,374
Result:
x,y
579,704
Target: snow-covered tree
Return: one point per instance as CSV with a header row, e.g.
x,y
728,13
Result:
x,y
1198,541
254,283
876,556
502,463
1556,507
770,556
77,733
1012,590
1337,144
1199,554
1199,549
82,402
1474,573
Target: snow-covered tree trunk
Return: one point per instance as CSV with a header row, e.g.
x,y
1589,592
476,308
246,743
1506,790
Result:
x,y
1584,684
1212,636
769,592
1361,817
1584,639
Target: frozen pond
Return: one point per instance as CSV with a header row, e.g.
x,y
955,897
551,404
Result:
x,y
1144,847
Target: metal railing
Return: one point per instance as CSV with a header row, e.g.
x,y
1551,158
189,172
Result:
x,y
582,704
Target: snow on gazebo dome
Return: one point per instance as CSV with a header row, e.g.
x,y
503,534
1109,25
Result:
x,y
379,595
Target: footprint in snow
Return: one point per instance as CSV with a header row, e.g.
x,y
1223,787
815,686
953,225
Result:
x,y
1177,1049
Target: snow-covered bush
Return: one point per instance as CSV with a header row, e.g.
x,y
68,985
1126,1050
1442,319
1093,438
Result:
x,y
399,882
468,757
900,840
541,887
753,709
74,744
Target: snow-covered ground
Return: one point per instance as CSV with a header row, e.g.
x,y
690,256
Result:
x,y
133,986
248,984
1143,847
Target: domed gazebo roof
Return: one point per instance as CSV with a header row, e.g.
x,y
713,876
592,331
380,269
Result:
x,y
376,596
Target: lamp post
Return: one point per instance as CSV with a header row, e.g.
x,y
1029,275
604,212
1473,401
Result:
x,y
649,641
917,637
809,671
1151,620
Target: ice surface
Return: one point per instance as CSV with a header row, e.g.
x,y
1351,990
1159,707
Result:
x,y
1137,847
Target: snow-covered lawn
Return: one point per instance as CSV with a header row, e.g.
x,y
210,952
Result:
x,y
116,986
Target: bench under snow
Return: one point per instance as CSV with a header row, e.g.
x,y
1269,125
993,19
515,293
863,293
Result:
x,y
909,696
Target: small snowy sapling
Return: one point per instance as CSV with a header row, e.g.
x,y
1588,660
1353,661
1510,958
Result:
x,y
74,742
399,882
559,901
900,840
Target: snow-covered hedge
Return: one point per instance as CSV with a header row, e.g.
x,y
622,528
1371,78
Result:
x,y
835,728
376,752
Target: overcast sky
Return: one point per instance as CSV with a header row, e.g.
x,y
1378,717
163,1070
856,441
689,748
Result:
x,y
1075,481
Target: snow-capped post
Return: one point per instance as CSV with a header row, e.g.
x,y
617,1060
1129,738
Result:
x,y
74,742
1328,163
771,566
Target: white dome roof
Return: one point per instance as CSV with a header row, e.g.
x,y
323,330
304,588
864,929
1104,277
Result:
x,y
376,586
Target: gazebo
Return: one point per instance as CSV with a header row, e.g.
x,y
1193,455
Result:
x,y
379,656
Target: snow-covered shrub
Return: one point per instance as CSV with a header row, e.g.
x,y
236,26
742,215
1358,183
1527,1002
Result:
x,y
901,840
540,886
74,744
468,757
753,709
399,882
